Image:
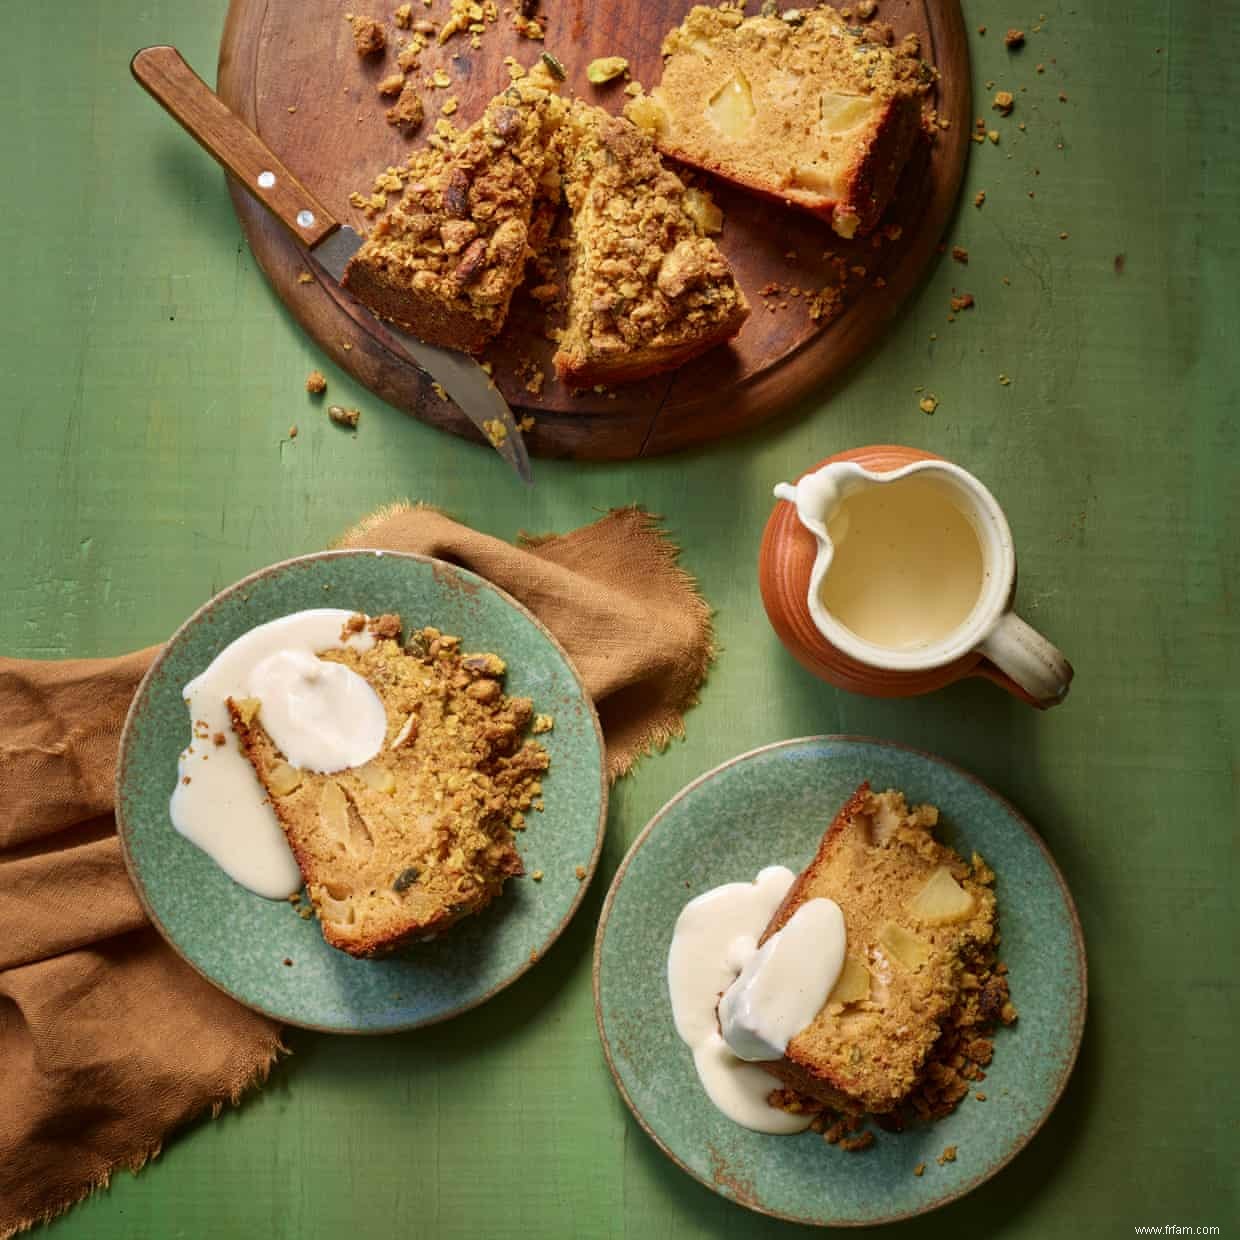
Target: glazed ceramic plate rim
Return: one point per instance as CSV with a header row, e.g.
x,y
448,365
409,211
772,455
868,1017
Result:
x,y
1076,1017
125,756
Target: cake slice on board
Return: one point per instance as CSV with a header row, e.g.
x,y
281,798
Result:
x,y
445,259
807,109
648,290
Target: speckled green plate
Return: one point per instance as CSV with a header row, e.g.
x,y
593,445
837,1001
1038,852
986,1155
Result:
x,y
240,941
770,807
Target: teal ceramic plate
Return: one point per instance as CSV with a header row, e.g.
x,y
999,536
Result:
x,y
240,941
770,807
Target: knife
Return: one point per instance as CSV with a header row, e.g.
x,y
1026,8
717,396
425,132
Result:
x,y
165,75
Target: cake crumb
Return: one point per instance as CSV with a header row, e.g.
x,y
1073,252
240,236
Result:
x,y
993,135
438,389
580,871
980,1096
1004,102
292,431
393,84
979,198
960,254
408,112
304,277
288,964
963,302
542,723
344,417
1014,39
403,16
369,37
537,876
920,1169
316,383
947,1156
218,739
928,404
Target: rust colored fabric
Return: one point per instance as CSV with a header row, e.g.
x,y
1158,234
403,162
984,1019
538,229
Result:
x,y
108,1040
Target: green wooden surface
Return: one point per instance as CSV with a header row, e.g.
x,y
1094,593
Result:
x,y
150,378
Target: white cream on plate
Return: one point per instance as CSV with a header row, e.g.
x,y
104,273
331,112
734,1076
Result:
x,y
323,717
715,945
784,983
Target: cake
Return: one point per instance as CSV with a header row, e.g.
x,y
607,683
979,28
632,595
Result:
x,y
921,931
648,290
444,260
422,835
803,107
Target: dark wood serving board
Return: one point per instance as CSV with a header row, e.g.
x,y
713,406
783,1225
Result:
x,y
289,69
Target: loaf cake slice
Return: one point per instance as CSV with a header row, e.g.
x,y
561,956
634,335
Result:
x,y
422,835
648,290
804,108
917,918
444,260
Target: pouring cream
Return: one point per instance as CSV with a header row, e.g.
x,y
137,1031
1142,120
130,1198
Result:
x,y
733,1002
323,716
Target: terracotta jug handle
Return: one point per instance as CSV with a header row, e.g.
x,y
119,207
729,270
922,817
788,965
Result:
x,y
1020,659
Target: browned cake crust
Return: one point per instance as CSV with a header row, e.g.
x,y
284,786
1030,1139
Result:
x,y
865,1051
647,289
422,835
444,260
814,112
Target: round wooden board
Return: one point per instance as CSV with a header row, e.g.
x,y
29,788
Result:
x,y
289,69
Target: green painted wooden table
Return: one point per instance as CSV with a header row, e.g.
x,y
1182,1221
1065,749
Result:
x,y
150,380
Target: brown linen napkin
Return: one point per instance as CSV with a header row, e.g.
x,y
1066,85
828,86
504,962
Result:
x,y
108,1040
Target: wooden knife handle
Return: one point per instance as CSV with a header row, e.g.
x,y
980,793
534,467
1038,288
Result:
x,y
164,74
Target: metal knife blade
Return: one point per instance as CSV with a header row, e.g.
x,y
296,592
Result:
x,y
162,72
469,386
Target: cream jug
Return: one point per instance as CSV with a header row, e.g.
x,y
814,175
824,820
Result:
x,y
915,569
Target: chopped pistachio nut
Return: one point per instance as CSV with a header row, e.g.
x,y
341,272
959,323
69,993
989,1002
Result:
x,y
606,69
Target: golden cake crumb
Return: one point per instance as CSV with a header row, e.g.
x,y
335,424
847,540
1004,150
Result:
x,y
960,254
408,112
344,417
369,37
1004,102
580,872
947,1156
537,876
393,84
928,404
403,16
920,1169
605,69
316,383
1014,39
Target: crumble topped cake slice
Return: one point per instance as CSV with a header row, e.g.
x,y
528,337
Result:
x,y
444,260
422,835
918,918
813,111
648,290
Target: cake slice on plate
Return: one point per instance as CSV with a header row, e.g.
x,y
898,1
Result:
x,y
806,109
422,835
918,919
